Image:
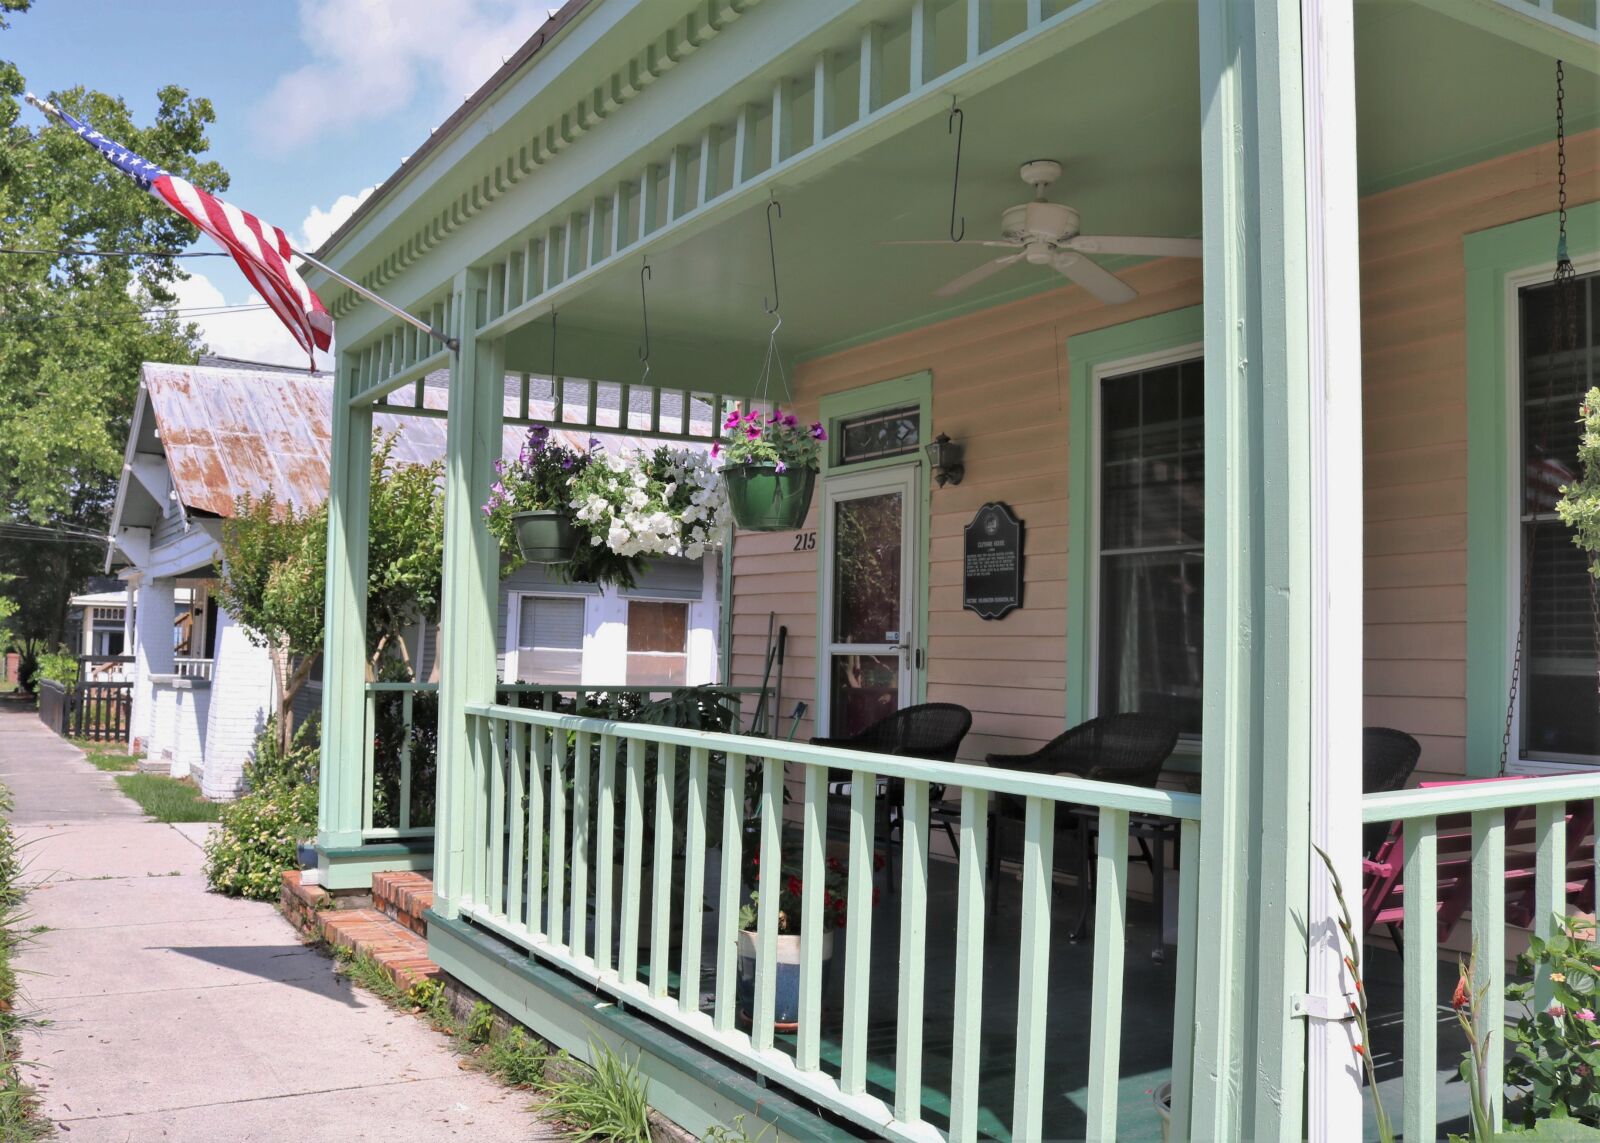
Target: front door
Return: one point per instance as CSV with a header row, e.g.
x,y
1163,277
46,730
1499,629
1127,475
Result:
x,y
870,543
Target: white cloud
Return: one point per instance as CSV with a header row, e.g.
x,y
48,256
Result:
x,y
371,58
320,224
252,335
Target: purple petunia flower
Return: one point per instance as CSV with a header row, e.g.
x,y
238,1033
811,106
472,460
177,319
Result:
x,y
818,432
753,434
790,420
781,467
716,448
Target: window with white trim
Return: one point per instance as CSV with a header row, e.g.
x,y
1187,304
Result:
x,y
658,643
1151,515
1558,720
549,639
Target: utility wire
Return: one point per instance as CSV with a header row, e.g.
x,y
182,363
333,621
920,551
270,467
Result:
x,y
53,529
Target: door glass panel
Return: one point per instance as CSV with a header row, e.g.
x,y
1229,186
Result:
x,y
866,569
865,688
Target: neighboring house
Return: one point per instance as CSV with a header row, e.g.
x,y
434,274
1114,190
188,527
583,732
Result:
x,y
201,437
100,627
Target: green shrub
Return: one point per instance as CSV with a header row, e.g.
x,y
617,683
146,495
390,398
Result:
x,y
269,762
248,852
1555,1052
59,666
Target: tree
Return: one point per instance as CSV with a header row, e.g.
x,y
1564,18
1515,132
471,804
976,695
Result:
x,y
274,572
75,328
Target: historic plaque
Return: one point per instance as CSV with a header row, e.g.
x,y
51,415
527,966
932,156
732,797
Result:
x,y
992,571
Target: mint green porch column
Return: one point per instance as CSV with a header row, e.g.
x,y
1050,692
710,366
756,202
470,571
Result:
x,y
344,649
1249,1052
471,575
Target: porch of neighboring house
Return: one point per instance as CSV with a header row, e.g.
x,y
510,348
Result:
x,y
1219,529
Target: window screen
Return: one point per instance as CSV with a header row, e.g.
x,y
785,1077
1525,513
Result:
x,y
1558,717
549,640
1152,532
658,644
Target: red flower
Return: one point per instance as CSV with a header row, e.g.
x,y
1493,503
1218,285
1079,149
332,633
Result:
x,y
794,886
1462,996
877,861
1359,1049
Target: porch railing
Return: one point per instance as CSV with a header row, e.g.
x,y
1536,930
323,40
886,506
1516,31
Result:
x,y
398,772
1456,839
555,798
192,667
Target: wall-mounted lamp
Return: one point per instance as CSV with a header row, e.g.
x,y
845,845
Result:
x,y
944,455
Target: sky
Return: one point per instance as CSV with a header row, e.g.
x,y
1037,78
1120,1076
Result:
x,y
317,102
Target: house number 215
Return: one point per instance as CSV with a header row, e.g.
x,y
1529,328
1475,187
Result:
x,y
805,541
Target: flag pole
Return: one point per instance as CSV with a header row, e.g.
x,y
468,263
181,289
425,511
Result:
x,y
449,342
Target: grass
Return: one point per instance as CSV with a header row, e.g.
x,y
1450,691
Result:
x,y
607,1101
106,755
168,799
20,1117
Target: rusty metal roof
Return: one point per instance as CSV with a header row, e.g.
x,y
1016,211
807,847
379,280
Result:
x,y
231,431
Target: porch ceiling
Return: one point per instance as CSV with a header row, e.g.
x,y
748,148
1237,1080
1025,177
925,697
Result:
x,y
1120,112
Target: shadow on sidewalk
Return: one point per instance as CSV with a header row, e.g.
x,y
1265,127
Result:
x,y
258,960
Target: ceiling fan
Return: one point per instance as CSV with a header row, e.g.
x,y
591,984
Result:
x,y
1046,233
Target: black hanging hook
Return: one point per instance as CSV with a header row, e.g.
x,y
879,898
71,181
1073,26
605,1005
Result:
x,y
957,123
644,309
772,251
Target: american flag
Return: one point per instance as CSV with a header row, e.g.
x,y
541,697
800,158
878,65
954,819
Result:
x,y
261,251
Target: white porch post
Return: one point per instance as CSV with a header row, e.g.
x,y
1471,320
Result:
x,y
1275,719
127,618
152,653
471,579
1333,1074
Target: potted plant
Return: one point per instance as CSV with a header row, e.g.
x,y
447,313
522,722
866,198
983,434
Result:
x,y
791,892
771,468
527,508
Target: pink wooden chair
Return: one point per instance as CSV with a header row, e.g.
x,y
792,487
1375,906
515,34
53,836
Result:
x,y
1383,892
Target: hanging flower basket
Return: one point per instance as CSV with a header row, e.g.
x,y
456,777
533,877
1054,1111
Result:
x,y
764,499
546,537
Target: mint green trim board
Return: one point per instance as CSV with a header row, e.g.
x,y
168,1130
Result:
x,y
897,392
1087,354
1492,257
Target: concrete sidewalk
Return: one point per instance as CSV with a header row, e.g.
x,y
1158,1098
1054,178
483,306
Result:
x,y
177,1014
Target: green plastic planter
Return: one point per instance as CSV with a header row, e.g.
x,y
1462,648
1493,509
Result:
x,y
766,500
545,537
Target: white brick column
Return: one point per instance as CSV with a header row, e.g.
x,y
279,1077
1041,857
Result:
x,y
152,653
241,701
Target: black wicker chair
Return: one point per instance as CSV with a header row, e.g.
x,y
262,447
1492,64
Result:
x,y
1126,748
1387,758
931,730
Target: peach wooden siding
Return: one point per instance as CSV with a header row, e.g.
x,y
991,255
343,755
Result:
x,y
1000,384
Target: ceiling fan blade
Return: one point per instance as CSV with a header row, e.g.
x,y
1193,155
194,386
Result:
x,y
973,277
1132,244
946,242
1099,281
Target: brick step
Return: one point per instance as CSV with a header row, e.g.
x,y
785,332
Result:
x,y
404,897
402,953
